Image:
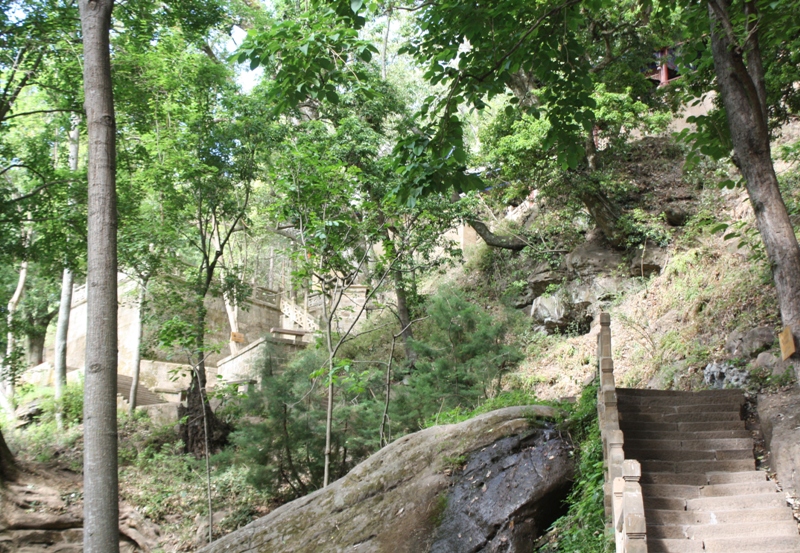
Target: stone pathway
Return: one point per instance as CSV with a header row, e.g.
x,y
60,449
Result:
x,y
700,487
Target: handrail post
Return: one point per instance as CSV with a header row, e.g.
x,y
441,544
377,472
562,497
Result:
x,y
622,492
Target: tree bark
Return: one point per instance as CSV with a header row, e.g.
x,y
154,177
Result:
x,y
197,406
8,468
101,485
137,354
404,316
7,385
496,241
605,216
62,330
65,303
35,348
741,86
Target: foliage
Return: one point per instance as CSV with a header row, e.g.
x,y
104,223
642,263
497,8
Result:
x,y
461,359
583,527
284,451
641,227
509,398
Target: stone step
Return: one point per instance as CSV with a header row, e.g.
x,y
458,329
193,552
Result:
x,y
690,445
739,529
656,517
634,426
687,455
751,545
735,398
716,490
736,477
693,396
687,408
736,502
680,417
657,545
673,478
143,395
715,504
737,465
633,434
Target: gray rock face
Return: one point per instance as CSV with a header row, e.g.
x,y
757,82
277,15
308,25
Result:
x,y
593,257
751,342
539,279
648,261
768,361
677,214
780,423
506,495
724,375
395,500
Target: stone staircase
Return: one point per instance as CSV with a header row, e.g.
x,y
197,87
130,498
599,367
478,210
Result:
x,y
144,396
700,489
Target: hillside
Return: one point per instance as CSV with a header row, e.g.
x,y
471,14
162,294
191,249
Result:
x,y
677,304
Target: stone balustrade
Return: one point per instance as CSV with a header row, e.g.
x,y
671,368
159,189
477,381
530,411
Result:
x,y
623,493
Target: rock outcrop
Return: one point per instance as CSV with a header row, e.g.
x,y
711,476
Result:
x,y
780,422
750,343
494,480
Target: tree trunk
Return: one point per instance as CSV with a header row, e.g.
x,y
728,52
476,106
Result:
x,y
404,316
605,216
101,486
328,316
137,354
35,348
62,330
65,303
193,430
7,385
742,90
496,241
232,311
8,469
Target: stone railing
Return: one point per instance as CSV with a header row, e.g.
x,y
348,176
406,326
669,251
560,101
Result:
x,y
298,315
623,493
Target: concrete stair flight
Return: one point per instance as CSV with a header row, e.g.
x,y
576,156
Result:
x,y
700,489
144,396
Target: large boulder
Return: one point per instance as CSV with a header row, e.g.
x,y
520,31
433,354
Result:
x,y
749,343
541,277
593,257
412,496
647,261
780,422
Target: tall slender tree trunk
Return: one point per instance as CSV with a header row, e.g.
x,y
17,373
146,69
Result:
x,y
67,282
328,316
232,310
7,385
200,419
137,354
62,330
404,316
740,76
101,485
